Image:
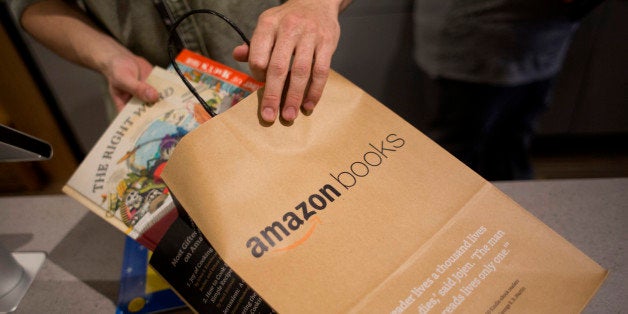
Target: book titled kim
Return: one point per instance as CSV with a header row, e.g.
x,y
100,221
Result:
x,y
230,84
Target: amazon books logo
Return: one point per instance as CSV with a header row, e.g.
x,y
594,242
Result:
x,y
270,237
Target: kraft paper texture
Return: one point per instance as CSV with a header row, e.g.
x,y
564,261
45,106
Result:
x,y
351,209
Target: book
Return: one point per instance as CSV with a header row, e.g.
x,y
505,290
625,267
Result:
x,y
189,263
231,84
142,290
119,179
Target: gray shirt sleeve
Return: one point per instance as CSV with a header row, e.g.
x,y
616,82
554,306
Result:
x,y
18,6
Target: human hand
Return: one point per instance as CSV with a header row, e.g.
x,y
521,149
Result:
x,y
126,74
66,30
305,32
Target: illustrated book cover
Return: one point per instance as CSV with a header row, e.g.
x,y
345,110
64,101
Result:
x,y
230,84
119,179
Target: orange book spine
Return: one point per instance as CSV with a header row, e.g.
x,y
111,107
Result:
x,y
218,70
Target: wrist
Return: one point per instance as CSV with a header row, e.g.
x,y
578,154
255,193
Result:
x,y
340,5
336,5
101,56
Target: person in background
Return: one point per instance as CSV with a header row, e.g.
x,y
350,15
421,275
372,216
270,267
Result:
x,y
492,64
291,47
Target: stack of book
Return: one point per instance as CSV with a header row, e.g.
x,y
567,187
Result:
x,y
120,181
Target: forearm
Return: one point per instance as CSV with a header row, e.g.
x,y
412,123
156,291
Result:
x,y
69,33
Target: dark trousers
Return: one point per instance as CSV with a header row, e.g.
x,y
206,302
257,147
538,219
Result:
x,y
489,127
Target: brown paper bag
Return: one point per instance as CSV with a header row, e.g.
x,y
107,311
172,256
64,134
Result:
x,y
351,209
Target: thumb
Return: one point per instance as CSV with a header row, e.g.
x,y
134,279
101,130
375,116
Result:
x,y
241,53
147,93
137,88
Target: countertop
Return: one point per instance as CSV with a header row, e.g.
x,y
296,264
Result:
x,y
84,253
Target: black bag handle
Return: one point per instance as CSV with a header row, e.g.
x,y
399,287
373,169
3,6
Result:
x,y
172,50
